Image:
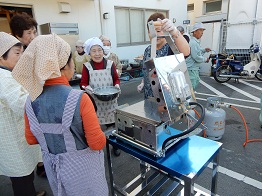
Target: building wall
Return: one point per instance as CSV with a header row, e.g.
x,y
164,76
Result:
x,y
211,37
198,14
82,12
176,8
88,15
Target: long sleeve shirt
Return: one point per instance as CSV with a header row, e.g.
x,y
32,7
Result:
x,y
196,54
17,157
94,135
98,66
113,57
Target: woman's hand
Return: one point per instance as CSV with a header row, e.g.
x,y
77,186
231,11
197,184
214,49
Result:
x,y
168,26
117,86
88,89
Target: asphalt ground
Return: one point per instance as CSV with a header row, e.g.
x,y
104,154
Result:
x,y
240,171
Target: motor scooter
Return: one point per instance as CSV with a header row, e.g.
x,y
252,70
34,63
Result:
x,y
225,67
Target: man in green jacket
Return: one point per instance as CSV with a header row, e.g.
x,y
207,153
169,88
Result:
x,y
196,57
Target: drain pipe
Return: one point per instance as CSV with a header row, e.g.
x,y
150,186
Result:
x,y
100,17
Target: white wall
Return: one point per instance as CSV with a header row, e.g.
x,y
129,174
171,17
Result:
x,y
82,12
210,39
176,8
198,14
88,14
241,30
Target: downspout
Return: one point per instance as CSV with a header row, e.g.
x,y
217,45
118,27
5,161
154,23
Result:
x,y
100,16
225,35
228,7
221,35
254,23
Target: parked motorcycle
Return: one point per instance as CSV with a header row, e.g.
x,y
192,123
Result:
x,y
225,67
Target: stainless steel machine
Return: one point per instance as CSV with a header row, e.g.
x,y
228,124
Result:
x,y
146,125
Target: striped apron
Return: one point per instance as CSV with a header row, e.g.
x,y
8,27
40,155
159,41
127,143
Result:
x,y
75,172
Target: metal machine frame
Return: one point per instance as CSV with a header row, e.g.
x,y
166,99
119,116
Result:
x,y
143,124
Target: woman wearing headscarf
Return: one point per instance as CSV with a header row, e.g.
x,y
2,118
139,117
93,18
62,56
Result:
x,y
110,55
61,119
100,72
80,57
18,159
24,28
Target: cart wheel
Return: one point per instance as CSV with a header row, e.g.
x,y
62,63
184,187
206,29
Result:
x,y
116,152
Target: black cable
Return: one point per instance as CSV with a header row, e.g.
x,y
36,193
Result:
x,y
191,128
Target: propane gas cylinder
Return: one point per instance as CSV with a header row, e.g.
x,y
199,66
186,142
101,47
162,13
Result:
x,y
215,118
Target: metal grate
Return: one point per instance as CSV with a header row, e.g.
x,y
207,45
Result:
x,y
238,37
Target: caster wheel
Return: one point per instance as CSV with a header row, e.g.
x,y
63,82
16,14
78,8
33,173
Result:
x,y
116,152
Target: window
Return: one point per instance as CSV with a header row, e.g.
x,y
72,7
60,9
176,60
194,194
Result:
x,y
190,7
213,6
131,25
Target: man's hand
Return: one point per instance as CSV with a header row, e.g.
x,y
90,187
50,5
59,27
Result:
x,y
207,60
208,49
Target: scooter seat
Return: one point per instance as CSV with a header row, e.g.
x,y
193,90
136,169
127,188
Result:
x,y
239,58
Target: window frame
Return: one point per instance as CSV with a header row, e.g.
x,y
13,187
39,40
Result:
x,y
212,12
191,5
144,29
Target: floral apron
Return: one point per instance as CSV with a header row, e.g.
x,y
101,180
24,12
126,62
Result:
x,y
99,78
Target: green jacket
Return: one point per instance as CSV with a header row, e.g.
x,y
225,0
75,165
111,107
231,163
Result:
x,y
196,55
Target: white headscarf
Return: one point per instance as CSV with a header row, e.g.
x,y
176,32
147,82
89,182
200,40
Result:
x,y
42,60
92,42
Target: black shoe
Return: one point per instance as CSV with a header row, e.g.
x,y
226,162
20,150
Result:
x,y
116,152
41,193
40,171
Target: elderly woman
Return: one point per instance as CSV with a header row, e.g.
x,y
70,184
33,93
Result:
x,y
24,28
61,119
110,55
18,159
100,72
80,57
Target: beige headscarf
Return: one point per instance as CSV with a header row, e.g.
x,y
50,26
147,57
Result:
x,y
7,41
80,43
42,60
